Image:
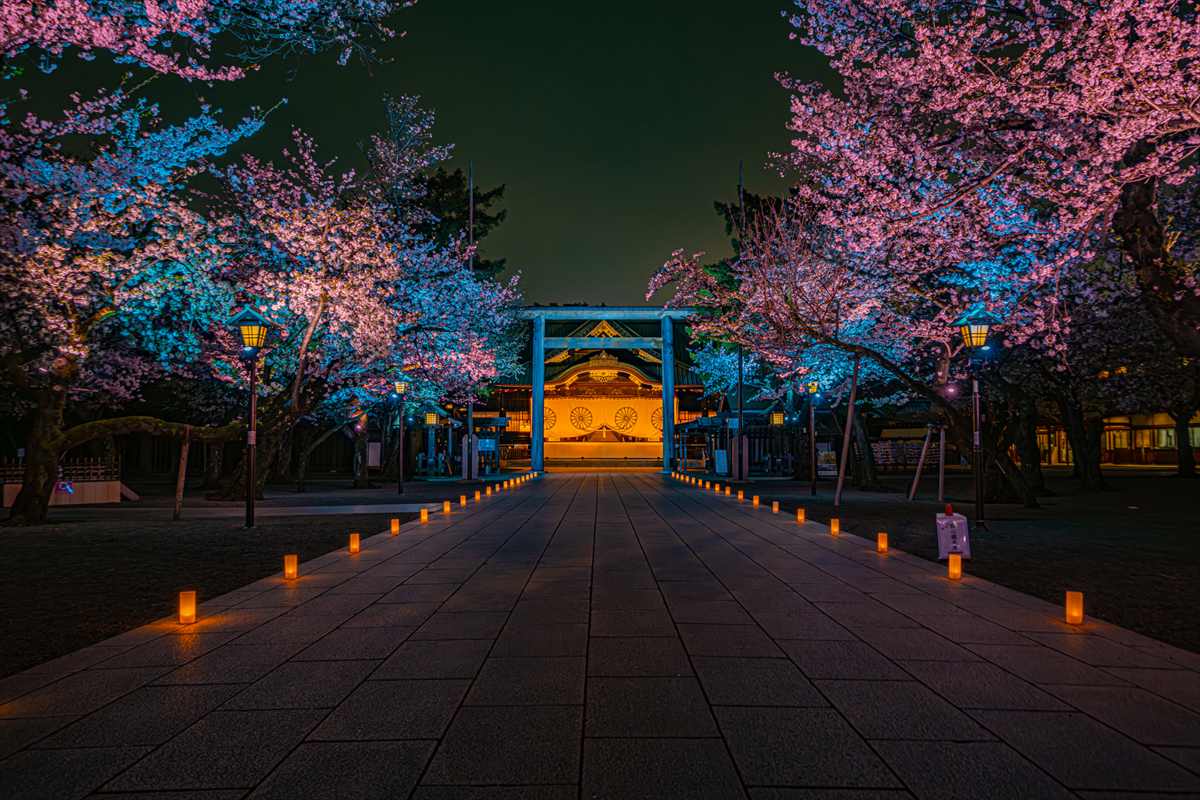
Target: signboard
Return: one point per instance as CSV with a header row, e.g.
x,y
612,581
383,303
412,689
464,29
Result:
x,y
954,536
373,453
722,462
486,445
826,460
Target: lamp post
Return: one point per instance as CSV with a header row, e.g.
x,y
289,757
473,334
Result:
x,y
400,388
252,329
813,394
974,326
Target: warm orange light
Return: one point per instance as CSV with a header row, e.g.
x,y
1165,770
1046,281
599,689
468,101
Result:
x,y
881,543
291,566
954,567
445,506
489,491
424,515
835,527
354,544
476,495
801,518
395,527
1074,608
187,607
462,500
728,491
774,506
754,501
741,495
717,488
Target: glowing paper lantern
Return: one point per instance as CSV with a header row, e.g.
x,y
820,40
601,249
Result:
x,y
774,506
476,495
727,490
445,506
754,501
187,607
489,491
424,515
431,418
462,500
835,526
801,517
741,495
354,544
881,542
954,567
291,566
717,488
1074,608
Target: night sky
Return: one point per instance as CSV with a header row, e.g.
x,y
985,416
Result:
x,y
614,125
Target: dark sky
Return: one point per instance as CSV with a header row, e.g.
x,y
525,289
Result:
x,y
614,125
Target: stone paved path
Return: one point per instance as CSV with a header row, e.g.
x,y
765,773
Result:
x,y
607,637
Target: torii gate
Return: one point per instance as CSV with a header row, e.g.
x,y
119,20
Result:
x,y
664,343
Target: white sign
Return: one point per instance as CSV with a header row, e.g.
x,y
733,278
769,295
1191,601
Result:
x,y
954,536
827,460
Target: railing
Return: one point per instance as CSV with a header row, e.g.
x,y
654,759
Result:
x,y
78,469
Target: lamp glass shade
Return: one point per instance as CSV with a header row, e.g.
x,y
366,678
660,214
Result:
x,y
776,417
954,567
431,418
974,335
814,387
401,387
1074,608
187,607
254,334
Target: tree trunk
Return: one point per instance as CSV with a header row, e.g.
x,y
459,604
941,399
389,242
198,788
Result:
x,y
42,453
1084,433
1183,445
362,478
305,452
1025,439
181,478
865,473
213,465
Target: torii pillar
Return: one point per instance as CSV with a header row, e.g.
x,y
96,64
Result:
x,y
537,423
668,392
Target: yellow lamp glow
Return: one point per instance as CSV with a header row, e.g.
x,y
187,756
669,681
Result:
x,y
754,501
835,527
355,544
291,566
801,517
717,488
954,567
431,418
776,417
489,491
728,491
395,527
253,335
1074,608
881,542
445,506
462,501
741,495
424,515
476,495
774,506
187,607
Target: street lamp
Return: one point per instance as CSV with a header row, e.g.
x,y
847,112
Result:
x,y
974,326
399,389
813,393
252,328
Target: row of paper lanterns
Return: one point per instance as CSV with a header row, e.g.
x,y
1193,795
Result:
x,y
1074,600
291,561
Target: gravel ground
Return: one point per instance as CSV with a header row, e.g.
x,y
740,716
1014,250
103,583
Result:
x,y
69,584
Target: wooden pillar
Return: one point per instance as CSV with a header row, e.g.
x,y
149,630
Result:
x,y
668,390
537,433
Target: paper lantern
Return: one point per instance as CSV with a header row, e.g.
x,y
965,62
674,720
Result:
x,y
489,491
395,527
476,495
445,506
954,567
727,490
717,488
462,500
1074,608
881,543
424,515
774,506
354,544
741,495
291,566
835,526
187,607
754,501
801,517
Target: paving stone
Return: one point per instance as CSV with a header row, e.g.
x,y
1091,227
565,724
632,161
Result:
x,y
214,794
728,640
755,682
800,747
866,614
720,612
1135,713
406,709
362,770
169,650
1043,665
637,656
330,604
147,716
808,624
392,615
628,600
63,774
80,693
529,681
518,744
914,645
566,792
435,659
16,734
981,685
232,663
840,660
1083,754
224,749
463,625
646,707
1181,686
1187,756
667,769
899,710
559,639
304,684
344,644
632,623
292,629
968,769
829,794
420,593
23,683
368,583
